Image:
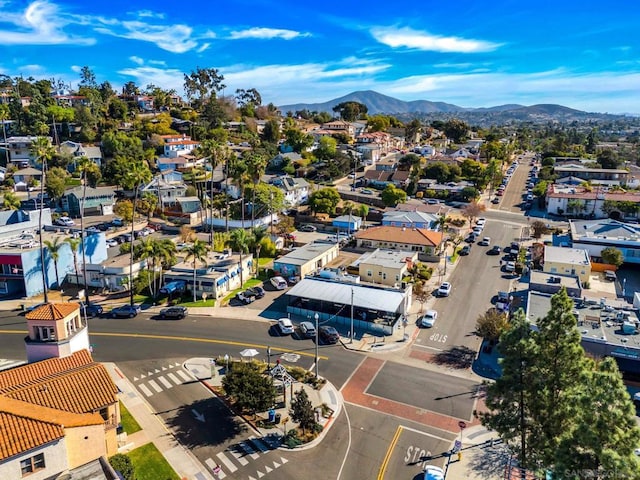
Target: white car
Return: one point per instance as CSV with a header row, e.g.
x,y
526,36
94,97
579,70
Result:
x,y
285,326
65,222
485,241
432,472
510,267
444,290
480,222
279,283
428,320
112,243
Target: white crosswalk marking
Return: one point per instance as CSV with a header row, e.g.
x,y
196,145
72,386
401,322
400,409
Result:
x,y
155,386
157,371
145,390
250,451
268,469
239,457
212,465
260,474
165,382
184,376
283,460
174,379
226,462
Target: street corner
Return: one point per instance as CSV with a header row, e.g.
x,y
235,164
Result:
x,y
201,368
410,451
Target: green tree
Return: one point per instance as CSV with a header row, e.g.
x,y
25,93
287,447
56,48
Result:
x,y
456,130
74,243
256,165
249,388
216,151
350,111
53,247
324,200
391,195
124,210
202,85
327,148
612,256
10,201
378,123
239,241
363,212
56,183
197,252
439,171
297,139
608,158
122,464
302,410
491,324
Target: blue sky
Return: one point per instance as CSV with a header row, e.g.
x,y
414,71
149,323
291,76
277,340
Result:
x,y
582,54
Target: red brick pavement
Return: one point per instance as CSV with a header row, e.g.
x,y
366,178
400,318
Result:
x,y
355,392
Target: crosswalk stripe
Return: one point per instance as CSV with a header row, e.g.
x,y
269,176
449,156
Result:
x,y
174,379
239,457
226,462
149,374
145,390
165,382
248,450
155,386
259,444
184,376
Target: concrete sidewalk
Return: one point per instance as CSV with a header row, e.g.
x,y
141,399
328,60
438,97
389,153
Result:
x,y
482,456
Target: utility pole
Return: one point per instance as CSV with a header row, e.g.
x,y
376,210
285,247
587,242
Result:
x,y
351,334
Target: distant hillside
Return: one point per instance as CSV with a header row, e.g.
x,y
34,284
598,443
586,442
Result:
x,y
549,109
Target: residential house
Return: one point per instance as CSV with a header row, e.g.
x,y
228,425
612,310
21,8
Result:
x,y
144,102
167,186
112,274
97,201
21,268
461,152
283,158
185,210
347,223
401,178
306,260
600,176
409,219
178,145
26,178
387,165
400,238
18,150
219,275
296,190
599,202
567,261
442,190
71,101
596,235
340,126
381,140
387,267
425,150
378,178
78,151
181,162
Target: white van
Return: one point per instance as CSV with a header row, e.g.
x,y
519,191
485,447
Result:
x,y
431,472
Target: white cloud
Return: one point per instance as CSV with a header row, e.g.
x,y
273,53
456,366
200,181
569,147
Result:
x,y
266,33
148,14
41,23
32,68
409,38
203,47
76,68
161,63
136,59
173,38
165,78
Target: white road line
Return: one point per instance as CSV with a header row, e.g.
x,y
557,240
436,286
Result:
x,y
430,348
226,462
239,456
155,386
184,376
145,390
174,379
212,465
165,382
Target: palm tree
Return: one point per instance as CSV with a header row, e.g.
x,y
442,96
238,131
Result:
x,y
216,151
240,176
74,243
256,166
166,255
42,150
363,211
10,201
198,253
239,242
146,250
137,175
54,247
82,166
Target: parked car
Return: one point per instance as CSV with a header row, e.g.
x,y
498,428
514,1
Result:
x,y
117,222
328,334
257,292
510,267
481,221
485,241
279,283
308,228
366,191
65,222
91,309
466,250
125,311
182,245
245,297
495,200
610,275
428,320
112,242
308,330
173,312
444,289
285,326
91,230
495,250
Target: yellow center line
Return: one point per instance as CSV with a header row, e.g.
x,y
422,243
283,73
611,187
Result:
x,y
188,339
383,467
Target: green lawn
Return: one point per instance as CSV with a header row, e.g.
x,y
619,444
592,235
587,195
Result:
x,y
149,464
265,261
211,302
129,424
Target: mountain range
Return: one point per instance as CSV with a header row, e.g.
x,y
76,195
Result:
x,y
379,103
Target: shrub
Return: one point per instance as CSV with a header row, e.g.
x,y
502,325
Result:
x,y
291,439
122,464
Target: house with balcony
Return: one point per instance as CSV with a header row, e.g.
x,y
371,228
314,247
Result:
x,y
178,145
97,201
600,176
79,152
587,202
296,190
18,150
59,413
167,186
339,126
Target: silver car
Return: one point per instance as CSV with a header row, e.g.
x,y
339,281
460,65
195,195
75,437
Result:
x,y
308,330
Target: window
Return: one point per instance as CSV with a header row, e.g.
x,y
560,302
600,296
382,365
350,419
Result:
x,y
32,464
4,288
369,273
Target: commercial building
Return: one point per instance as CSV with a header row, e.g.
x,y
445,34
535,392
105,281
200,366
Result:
x,y
386,267
598,202
567,261
306,260
410,219
596,235
400,238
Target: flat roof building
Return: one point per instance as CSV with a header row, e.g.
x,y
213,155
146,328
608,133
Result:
x,y
306,260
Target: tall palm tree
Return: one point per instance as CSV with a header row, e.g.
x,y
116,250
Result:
x,y
74,243
54,246
42,150
197,252
137,175
240,176
363,211
256,166
239,242
216,152
83,165
146,250
166,254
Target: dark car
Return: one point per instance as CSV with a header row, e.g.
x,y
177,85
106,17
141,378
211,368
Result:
x,y
466,250
495,250
328,334
257,292
124,311
173,312
92,309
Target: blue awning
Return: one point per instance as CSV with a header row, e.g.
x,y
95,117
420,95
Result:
x,y
221,280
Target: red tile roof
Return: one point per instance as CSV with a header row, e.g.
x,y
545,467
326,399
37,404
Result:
x,y
407,236
19,434
53,311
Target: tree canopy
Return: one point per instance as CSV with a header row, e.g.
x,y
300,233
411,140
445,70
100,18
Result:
x,y
324,201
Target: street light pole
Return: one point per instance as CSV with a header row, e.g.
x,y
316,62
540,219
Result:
x,y
351,334
316,316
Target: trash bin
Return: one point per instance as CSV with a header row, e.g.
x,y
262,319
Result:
x,y
23,307
272,416
277,419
